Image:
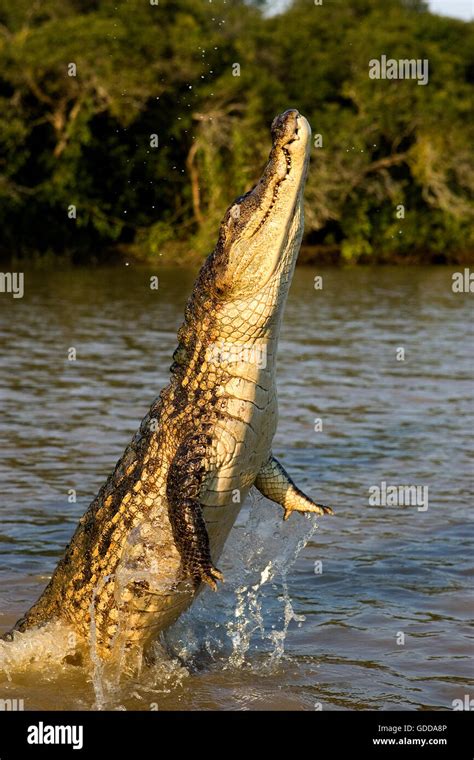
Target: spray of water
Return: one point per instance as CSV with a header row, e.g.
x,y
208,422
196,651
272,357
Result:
x,y
265,537
248,611
46,646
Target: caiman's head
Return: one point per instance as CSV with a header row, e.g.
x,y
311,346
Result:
x,y
242,287
260,234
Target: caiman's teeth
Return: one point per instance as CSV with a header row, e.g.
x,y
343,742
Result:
x,y
275,192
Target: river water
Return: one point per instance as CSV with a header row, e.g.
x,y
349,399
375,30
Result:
x,y
370,609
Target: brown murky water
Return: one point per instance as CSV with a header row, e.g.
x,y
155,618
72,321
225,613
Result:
x,y
371,610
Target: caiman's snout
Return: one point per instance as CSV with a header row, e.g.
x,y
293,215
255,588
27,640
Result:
x,y
285,127
289,128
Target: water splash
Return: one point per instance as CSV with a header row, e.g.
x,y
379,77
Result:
x,y
44,646
104,685
258,556
264,537
163,675
248,618
279,637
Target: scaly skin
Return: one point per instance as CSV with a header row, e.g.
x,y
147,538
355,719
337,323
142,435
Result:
x,y
153,533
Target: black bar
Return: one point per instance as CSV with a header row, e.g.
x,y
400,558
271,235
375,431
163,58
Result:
x,y
154,734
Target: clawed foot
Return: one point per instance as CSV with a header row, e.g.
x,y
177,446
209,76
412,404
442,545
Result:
x,y
318,509
206,574
210,576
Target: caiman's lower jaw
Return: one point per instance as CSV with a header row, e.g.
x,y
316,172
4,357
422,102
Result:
x,y
288,161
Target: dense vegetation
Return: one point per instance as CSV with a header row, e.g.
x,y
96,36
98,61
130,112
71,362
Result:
x,y
88,87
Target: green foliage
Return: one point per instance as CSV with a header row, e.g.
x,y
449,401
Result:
x,y
169,70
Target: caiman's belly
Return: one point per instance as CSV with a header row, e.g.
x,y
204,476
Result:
x,y
148,595
244,437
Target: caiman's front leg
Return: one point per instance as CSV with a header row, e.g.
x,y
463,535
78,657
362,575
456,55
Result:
x,y
274,482
185,478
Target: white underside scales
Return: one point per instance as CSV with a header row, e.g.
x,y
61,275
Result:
x,y
241,445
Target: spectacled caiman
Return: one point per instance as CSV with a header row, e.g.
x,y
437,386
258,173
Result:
x,y
156,529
